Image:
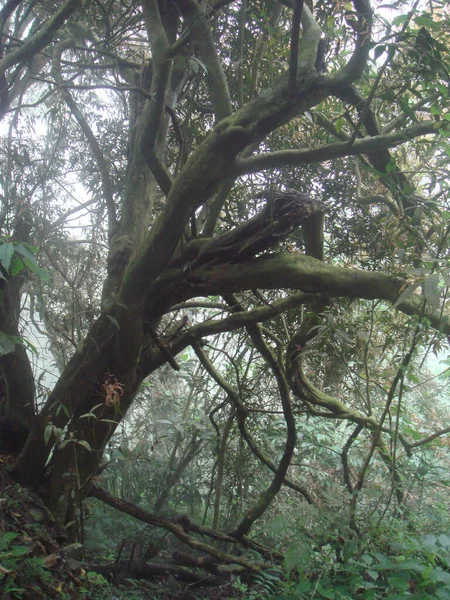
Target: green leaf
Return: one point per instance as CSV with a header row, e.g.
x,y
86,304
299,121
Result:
x,y
379,50
442,88
197,64
91,413
431,290
16,266
85,444
339,124
398,582
426,21
19,551
35,268
29,345
30,261
6,254
23,251
325,593
444,541
47,434
64,443
7,344
400,19
404,105
407,293
9,536
114,321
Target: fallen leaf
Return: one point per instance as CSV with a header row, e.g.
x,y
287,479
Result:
x,y
51,560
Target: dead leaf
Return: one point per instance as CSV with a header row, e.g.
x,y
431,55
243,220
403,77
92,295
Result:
x,y
51,560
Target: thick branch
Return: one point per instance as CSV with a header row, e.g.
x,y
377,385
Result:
x,y
154,108
175,528
294,271
354,68
367,145
40,39
217,83
315,399
206,168
284,211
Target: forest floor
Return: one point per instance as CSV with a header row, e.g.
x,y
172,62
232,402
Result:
x,y
36,561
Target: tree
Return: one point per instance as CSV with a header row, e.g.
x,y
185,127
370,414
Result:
x,y
213,140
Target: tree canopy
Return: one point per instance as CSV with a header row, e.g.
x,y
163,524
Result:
x,y
225,228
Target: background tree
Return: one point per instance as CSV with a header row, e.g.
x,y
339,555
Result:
x,y
228,165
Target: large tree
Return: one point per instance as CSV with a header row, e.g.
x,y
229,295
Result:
x,y
289,159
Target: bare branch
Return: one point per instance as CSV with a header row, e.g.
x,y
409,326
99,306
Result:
x,y
366,145
174,527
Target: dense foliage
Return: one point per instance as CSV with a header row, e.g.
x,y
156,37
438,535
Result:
x,y
225,273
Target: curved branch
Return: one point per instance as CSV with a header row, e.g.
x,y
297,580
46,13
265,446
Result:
x,y
344,456
366,145
152,115
269,494
285,271
201,31
40,39
177,529
244,318
313,397
355,66
385,199
429,438
241,413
